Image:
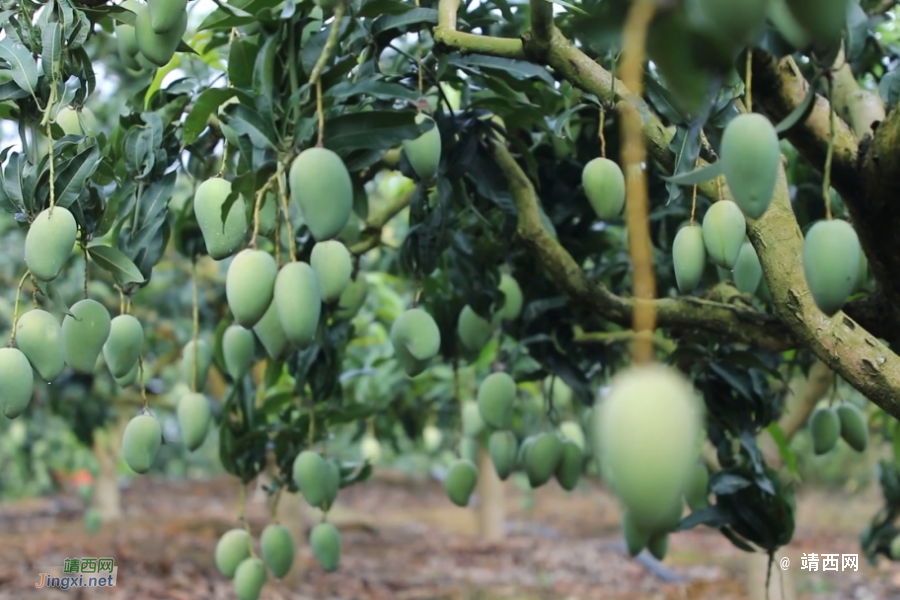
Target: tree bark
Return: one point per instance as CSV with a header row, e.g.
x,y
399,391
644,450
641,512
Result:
x,y
491,506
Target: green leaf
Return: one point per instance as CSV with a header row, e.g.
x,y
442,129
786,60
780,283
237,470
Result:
x,y
519,69
888,88
376,8
562,121
569,6
800,112
72,180
52,293
241,57
784,448
206,104
246,121
698,176
415,16
113,260
380,90
51,50
373,130
229,15
21,63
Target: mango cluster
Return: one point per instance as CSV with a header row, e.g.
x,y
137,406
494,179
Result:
x,y
236,559
645,439
152,41
829,424
319,480
475,331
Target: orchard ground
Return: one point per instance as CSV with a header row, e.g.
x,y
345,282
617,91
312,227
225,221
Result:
x,y
402,539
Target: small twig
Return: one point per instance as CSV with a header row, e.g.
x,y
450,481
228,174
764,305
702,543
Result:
x,y
86,266
15,319
141,380
829,156
600,132
257,207
285,208
315,76
748,82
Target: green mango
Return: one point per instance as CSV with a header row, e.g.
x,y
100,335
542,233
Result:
x,y
196,378
126,41
39,337
524,448
831,263
472,422
604,186
141,442
194,416
352,299
268,214
325,541
311,476
124,345
250,285
895,548
854,428
724,229
658,545
825,428
277,549
238,347
298,300
751,158
158,48
496,397
331,261
863,273
513,299
77,122
321,186
747,270
416,340
543,458
130,377
249,579
424,152
49,242
568,470
696,494
636,539
222,238
468,448
271,334
16,382
85,331
166,15
474,331
233,548
503,448
688,258
332,484
460,482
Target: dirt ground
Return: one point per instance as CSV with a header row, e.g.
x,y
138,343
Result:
x,y
403,540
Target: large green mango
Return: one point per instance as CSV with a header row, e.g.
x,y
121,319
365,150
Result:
x,y
416,340
196,378
472,423
85,330
854,428
331,261
72,124
130,377
311,476
299,303
39,337
604,186
646,432
636,539
277,547
424,152
543,458
474,331
747,270
353,298
724,229
496,396
158,48
141,442
696,493
688,257
325,541
126,40
831,263
222,238
658,545
321,187
16,382
513,299
232,549
502,448
194,416
166,15
237,350
332,484
49,242
460,482
249,579
124,345
825,429
271,334
568,470
250,285
751,158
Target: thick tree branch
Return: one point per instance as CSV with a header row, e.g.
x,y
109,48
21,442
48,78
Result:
x,y
446,34
861,359
862,109
541,21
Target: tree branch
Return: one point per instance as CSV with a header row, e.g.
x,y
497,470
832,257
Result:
x,y
862,109
371,233
541,21
445,34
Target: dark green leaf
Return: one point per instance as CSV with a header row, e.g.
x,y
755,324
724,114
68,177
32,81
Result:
x,y
73,179
21,62
114,260
381,90
373,130
232,16
519,69
888,88
241,57
376,8
246,121
416,16
206,104
51,53
698,176
713,516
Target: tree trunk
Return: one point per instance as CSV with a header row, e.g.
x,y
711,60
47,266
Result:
x,y
781,582
491,507
107,498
